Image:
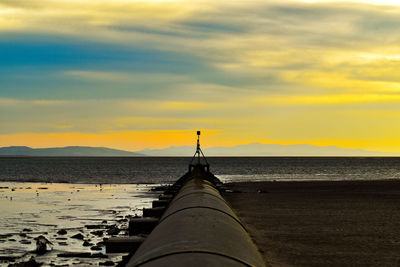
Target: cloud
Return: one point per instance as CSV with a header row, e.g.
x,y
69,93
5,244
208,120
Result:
x,y
260,67
41,116
340,99
98,75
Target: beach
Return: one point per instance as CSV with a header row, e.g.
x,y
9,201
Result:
x,y
321,223
75,218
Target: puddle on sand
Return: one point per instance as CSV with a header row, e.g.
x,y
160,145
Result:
x,y
29,210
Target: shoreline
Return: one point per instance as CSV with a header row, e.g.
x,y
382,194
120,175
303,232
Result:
x,y
75,218
321,223
241,183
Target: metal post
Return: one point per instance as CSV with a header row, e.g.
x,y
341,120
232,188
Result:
x,y
199,153
198,147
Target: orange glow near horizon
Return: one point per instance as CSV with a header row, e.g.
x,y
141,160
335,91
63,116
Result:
x,y
138,140
130,140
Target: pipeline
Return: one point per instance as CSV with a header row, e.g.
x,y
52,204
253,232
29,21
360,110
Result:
x,y
197,228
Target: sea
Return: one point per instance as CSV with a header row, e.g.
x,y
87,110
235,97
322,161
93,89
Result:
x,y
150,170
88,196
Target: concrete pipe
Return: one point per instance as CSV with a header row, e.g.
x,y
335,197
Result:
x,y
198,228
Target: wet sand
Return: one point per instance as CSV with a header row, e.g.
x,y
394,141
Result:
x,y
75,218
321,223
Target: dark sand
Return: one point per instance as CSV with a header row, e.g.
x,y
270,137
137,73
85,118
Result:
x,y
350,223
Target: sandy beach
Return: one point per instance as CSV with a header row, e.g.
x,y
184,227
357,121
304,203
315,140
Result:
x,y
321,223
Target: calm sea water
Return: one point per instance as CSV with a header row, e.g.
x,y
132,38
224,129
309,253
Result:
x,y
168,169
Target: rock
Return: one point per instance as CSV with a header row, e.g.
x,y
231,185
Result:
x,y
107,263
78,236
97,233
104,221
96,248
96,226
12,240
63,243
62,232
8,258
87,244
113,231
22,235
27,230
41,244
25,242
5,236
61,238
30,263
99,255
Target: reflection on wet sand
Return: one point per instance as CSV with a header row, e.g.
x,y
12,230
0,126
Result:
x,y
72,217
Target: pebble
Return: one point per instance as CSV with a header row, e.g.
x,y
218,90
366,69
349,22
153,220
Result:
x,y
30,263
62,232
87,244
96,248
97,233
107,263
94,226
77,236
113,231
5,235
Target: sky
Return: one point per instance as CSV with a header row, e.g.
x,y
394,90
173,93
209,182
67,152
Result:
x,y
146,74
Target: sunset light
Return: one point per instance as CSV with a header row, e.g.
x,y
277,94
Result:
x,y
95,73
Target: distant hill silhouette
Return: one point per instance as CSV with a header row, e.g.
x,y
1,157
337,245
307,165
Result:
x,y
253,149
258,149
68,151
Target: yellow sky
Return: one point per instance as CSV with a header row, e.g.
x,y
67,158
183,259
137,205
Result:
x,y
147,74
